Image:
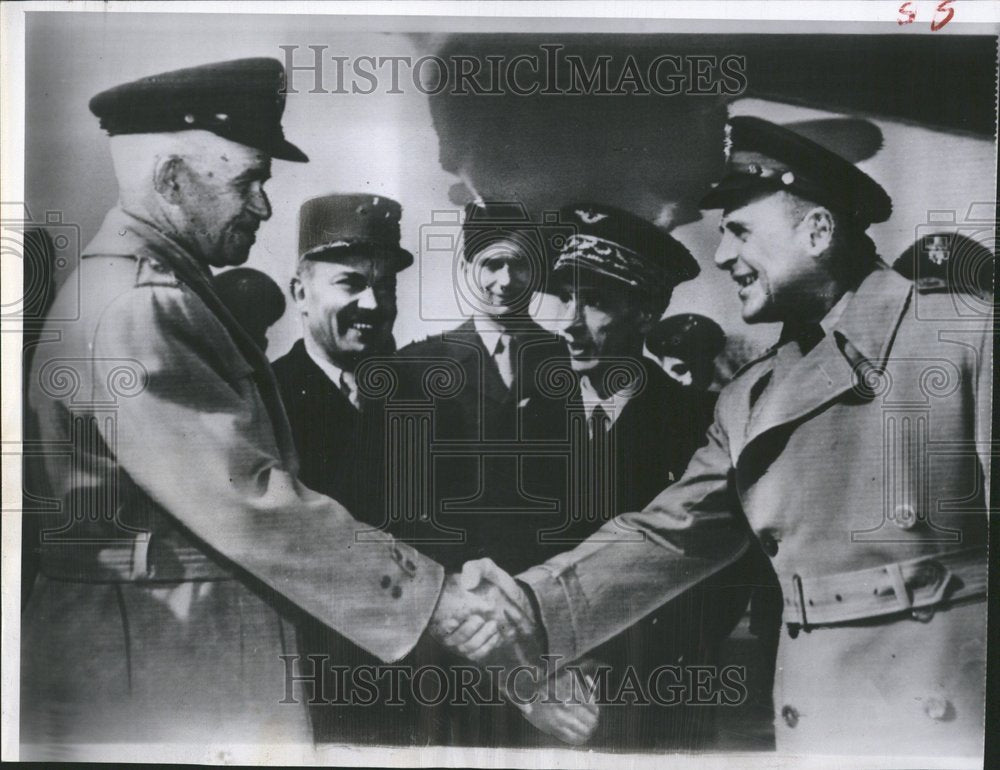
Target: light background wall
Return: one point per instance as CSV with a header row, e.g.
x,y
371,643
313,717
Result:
x,y
385,144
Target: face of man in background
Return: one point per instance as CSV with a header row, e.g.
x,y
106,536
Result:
x,y
764,248
601,323
222,198
500,275
348,306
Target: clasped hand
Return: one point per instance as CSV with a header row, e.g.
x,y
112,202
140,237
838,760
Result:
x,y
480,608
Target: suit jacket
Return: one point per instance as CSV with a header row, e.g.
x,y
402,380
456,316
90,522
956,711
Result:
x,y
872,449
450,386
337,450
176,464
594,480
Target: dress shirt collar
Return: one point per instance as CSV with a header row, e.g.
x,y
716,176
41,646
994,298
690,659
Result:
x,y
334,373
613,405
489,332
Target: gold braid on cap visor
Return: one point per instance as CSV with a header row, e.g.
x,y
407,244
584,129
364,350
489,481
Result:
x,y
612,260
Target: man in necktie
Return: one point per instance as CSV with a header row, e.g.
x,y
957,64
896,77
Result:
x,y
344,288
630,430
468,383
492,362
858,458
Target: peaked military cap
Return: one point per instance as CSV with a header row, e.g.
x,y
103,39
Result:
x,y
621,246
240,100
948,262
332,226
686,336
764,157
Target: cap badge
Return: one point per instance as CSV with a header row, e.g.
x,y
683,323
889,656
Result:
x,y
590,217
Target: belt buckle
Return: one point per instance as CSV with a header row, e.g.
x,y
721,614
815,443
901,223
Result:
x,y
926,574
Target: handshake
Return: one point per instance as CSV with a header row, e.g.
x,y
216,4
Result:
x,y
485,616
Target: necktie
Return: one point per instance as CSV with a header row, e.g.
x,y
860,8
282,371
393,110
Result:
x,y
349,387
504,359
598,423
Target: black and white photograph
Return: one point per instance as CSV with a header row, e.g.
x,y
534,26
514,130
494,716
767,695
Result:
x,y
500,384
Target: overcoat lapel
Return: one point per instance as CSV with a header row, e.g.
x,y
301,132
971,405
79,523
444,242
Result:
x,y
859,342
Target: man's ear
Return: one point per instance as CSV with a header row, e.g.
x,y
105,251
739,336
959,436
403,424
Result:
x,y
167,177
297,289
818,226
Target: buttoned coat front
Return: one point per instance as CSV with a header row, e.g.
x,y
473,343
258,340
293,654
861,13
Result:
x,y
870,450
180,532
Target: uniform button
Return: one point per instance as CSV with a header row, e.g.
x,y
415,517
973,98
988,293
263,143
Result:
x,y
904,516
396,592
385,581
769,544
937,708
790,714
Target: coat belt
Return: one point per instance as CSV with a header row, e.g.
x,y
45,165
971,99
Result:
x,y
916,586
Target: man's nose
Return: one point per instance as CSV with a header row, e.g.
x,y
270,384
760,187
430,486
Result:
x,y
727,252
572,315
260,205
502,277
367,299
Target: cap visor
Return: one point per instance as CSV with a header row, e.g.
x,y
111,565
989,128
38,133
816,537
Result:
x,y
285,150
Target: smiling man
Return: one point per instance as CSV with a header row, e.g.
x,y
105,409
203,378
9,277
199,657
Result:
x,y
631,431
345,291
857,453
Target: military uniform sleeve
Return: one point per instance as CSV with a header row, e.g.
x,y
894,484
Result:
x,y
198,440
639,561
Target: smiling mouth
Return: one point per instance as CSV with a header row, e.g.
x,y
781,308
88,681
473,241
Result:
x,y
745,280
361,326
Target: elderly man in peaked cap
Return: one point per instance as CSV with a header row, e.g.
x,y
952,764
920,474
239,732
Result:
x,y
182,526
856,450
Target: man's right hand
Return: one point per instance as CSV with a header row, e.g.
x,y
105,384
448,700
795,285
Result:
x,y
479,608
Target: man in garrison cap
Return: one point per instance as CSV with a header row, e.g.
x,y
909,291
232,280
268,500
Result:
x,y
629,431
856,451
182,533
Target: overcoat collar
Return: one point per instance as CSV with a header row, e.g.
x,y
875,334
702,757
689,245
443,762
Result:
x,y
858,344
126,235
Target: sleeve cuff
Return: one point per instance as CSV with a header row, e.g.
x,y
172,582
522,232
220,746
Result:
x,y
554,609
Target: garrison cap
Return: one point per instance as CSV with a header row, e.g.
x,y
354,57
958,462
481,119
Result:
x,y
764,157
948,262
356,224
687,336
618,245
240,100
